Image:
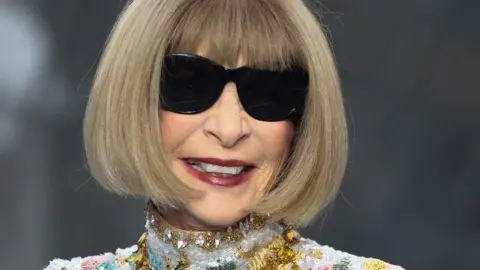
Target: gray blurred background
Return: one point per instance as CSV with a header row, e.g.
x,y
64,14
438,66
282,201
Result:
x,y
411,76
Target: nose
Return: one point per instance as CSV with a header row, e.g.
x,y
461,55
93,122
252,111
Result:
x,y
226,123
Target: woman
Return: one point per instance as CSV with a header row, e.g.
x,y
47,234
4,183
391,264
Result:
x,y
228,117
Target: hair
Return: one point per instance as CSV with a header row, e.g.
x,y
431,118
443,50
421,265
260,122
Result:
x,y
121,131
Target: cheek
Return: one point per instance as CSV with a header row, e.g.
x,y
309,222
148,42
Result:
x,y
275,138
175,128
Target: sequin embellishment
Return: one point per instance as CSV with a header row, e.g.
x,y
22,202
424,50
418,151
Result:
x,y
279,253
374,264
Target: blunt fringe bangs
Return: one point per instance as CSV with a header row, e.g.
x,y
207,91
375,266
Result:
x,y
121,131
257,30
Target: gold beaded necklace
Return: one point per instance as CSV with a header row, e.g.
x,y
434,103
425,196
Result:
x,y
206,240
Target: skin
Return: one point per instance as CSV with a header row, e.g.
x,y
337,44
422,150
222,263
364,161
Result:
x,y
225,131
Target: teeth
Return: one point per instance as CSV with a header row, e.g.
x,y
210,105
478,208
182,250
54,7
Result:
x,y
212,168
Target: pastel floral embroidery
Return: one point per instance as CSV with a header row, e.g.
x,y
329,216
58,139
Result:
x,y
106,266
343,265
92,262
316,254
374,264
155,262
225,266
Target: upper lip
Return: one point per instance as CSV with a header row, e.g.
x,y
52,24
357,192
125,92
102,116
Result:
x,y
221,162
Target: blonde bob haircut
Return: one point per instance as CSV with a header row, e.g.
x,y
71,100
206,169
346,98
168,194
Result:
x,y
121,126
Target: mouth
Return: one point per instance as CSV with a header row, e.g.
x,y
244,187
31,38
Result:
x,y
217,172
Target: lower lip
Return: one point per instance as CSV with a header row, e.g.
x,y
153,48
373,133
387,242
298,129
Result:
x,y
210,178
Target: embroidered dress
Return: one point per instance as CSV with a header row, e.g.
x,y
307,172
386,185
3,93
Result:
x,y
254,243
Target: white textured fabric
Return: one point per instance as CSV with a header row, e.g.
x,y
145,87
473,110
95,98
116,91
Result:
x,y
76,263
315,256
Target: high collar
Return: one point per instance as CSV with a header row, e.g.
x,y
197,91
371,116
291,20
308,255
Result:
x,y
225,249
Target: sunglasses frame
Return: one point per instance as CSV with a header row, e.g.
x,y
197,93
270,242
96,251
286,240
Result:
x,y
237,75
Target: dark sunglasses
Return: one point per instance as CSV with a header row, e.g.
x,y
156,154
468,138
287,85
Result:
x,y
191,84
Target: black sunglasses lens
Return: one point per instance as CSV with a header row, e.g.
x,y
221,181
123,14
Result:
x,y
273,96
188,84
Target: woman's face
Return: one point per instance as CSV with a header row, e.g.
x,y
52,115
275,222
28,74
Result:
x,y
225,153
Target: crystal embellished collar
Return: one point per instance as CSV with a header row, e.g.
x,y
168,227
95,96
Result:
x,y
206,240
253,243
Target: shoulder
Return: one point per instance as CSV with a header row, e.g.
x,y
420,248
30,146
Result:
x,y
108,261
318,257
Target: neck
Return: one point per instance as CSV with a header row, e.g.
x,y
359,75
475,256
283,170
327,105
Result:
x,y
184,220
